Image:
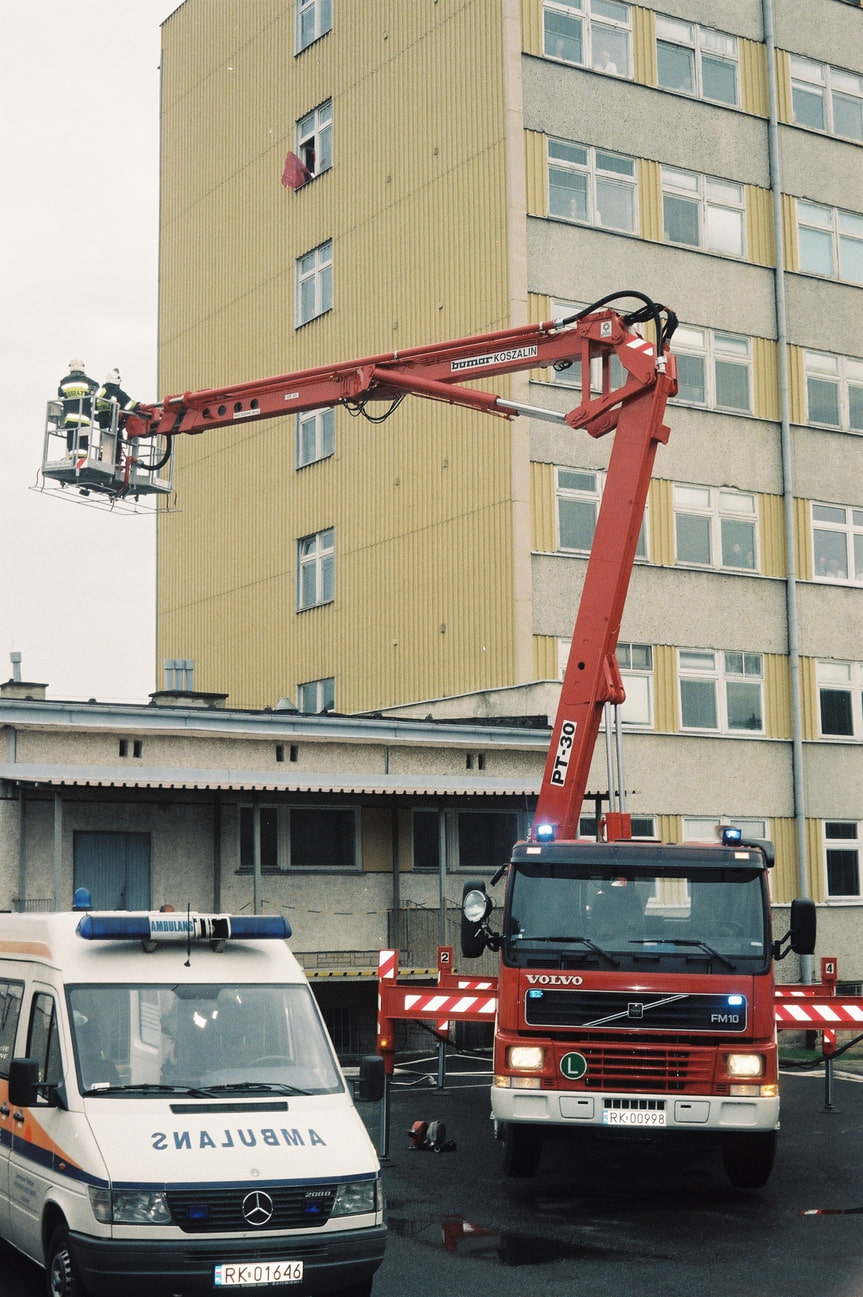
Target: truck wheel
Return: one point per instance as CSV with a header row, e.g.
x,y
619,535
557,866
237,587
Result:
x,y
522,1147
61,1274
748,1158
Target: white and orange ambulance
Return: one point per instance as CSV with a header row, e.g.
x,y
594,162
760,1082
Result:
x,y
173,1118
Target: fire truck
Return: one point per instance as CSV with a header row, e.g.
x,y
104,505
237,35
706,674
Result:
x,y
635,987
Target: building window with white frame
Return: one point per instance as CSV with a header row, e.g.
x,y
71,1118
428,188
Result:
x,y
701,828
316,436
568,373
316,696
589,33
636,671
840,699
579,494
837,543
834,390
716,528
314,20
300,837
316,569
830,241
592,186
825,98
721,691
842,843
703,212
315,283
697,60
315,139
713,369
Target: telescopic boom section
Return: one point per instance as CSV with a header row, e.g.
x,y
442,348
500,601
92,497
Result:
x,y
586,342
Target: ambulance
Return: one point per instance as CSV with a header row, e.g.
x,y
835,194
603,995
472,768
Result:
x,y
173,1118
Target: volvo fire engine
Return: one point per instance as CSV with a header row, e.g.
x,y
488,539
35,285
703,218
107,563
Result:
x,y
636,988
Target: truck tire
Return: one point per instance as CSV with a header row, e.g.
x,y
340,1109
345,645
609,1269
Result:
x,y
748,1158
61,1274
522,1148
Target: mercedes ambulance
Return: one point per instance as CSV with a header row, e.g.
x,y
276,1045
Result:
x,y
173,1118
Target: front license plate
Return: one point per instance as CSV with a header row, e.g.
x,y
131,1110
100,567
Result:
x,y
253,1274
631,1117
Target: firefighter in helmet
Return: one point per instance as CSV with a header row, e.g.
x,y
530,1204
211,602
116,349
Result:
x,y
76,392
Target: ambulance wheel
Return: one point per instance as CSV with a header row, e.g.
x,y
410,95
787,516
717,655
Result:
x,y
522,1148
62,1276
748,1158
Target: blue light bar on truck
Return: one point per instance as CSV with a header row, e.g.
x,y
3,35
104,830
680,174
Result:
x,y
183,927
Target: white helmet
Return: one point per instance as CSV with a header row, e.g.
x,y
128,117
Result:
x,y
113,376
76,364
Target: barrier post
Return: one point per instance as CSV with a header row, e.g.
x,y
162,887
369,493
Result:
x,y
388,967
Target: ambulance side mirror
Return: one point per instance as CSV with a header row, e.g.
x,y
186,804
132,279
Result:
x,y
24,1082
370,1086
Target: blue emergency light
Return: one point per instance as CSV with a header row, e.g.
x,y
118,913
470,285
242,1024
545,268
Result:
x,y
177,927
544,833
731,835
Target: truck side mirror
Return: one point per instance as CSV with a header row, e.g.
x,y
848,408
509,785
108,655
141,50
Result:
x,y
476,906
800,937
24,1082
372,1079
803,925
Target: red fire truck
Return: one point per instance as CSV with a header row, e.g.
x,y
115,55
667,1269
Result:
x,y
636,978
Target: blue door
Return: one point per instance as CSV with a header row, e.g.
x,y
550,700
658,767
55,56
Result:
x,y
115,868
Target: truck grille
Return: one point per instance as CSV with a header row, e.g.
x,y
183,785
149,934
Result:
x,y
206,1210
629,1011
676,1070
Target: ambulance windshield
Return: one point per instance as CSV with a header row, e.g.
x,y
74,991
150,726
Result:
x,y
199,1037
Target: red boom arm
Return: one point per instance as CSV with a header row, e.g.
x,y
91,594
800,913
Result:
x,y
437,372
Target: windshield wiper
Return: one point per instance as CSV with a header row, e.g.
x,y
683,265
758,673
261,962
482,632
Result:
x,y
584,941
685,941
246,1087
150,1087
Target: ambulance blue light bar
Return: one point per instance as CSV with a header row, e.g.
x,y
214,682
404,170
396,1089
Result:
x,y
178,927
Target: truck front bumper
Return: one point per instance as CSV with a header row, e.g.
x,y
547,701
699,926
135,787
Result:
x,y
620,1109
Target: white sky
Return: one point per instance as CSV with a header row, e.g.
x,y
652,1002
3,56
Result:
x,y
78,276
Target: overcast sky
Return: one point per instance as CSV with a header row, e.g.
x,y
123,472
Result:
x,y
80,107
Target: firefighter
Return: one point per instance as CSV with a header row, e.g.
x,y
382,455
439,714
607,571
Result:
x,y
109,395
76,392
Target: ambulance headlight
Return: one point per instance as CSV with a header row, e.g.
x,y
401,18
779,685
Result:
x,y
359,1197
129,1207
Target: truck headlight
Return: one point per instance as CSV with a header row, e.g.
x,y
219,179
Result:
x,y
358,1198
746,1065
129,1206
525,1058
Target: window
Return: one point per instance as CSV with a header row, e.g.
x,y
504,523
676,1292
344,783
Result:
x,y
315,283
591,186
10,1010
314,19
43,1040
715,528
588,33
696,60
840,699
702,212
300,837
578,499
643,826
721,691
485,839
713,369
316,436
834,390
826,98
569,373
842,840
316,569
830,241
636,670
315,139
704,829
425,834
837,543
316,696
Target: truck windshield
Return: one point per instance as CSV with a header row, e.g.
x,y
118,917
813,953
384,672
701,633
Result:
x,y
200,1037
571,917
